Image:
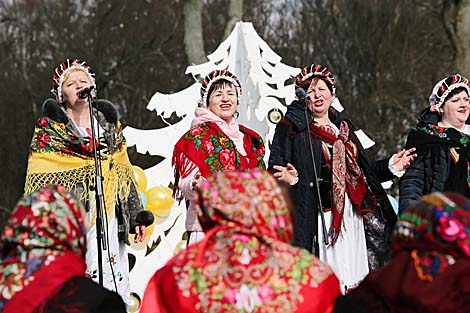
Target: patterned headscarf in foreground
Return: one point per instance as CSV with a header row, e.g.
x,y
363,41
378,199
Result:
x,y
42,246
430,266
436,231
241,199
244,263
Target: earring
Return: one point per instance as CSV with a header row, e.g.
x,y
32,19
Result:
x,y
236,115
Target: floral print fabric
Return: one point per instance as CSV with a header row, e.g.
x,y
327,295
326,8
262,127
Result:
x,y
437,232
213,151
244,263
45,230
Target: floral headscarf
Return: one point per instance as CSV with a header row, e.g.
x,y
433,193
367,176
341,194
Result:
x,y
42,245
251,198
244,263
429,269
437,231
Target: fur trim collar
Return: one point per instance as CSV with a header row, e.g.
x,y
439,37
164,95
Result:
x,y
52,110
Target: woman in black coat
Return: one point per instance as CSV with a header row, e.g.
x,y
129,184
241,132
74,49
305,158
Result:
x,y
442,140
359,218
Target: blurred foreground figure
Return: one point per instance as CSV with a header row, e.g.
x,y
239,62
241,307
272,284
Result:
x,y
245,262
42,266
430,266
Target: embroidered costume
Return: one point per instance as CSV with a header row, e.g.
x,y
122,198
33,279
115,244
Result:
x,y
244,263
359,218
212,145
62,153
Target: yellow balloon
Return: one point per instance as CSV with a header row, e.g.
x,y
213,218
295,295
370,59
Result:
x,y
158,200
168,190
140,178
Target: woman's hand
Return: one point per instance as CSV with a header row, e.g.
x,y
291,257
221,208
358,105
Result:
x,y
139,233
403,159
285,173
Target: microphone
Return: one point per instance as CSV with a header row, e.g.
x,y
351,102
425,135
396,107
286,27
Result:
x,y
303,97
85,92
301,94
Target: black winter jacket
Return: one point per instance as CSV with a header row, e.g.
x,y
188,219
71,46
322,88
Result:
x,y
290,145
430,171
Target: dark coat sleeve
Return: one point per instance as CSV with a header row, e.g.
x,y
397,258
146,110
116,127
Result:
x,y
381,170
379,167
412,183
281,148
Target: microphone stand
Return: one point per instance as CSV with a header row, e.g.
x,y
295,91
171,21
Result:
x,y
100,231
319,208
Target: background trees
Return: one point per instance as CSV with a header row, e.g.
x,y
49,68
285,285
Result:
x,y
385,54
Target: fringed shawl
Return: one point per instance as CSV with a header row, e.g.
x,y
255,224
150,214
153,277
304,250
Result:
x,y
58,156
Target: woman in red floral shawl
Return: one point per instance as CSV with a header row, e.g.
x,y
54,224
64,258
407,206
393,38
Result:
x,y
216,142
42,265
245,262
430,266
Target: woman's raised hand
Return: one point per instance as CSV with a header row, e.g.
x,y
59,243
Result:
x,y
285,173
403,159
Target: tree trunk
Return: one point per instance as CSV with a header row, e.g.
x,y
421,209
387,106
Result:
x,y
457,23
193,33
235,13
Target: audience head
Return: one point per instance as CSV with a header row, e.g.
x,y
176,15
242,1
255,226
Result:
x,y
45,225
249,200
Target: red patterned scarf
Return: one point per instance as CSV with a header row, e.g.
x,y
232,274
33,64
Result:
x,y
346,175
43,246
212,151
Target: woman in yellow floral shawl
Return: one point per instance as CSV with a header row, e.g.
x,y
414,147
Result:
x,y
62,153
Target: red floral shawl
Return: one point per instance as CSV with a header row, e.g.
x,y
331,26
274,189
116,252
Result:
x,y
346,174
213,151
43,246
244,264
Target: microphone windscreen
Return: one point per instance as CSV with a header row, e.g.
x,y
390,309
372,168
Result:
x,y
300,93
144,217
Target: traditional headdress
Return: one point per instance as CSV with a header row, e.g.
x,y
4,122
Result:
x,y
316,70
64,68
444,87
214,76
